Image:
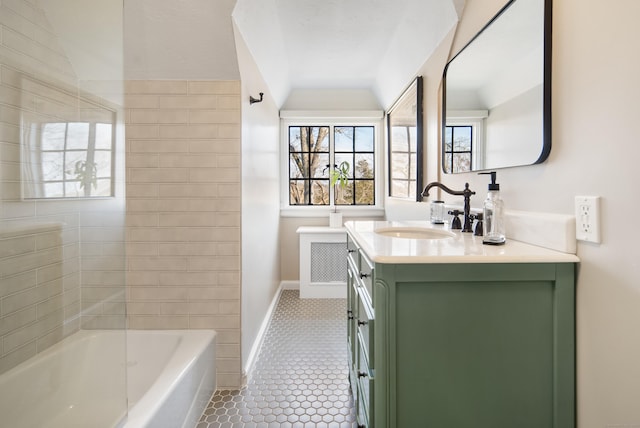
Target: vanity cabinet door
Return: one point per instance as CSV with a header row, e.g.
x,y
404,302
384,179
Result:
x,y
475,346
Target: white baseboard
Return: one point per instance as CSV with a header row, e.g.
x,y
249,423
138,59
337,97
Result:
x,y
261,332
290,285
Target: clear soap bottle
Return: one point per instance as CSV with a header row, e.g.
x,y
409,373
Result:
x,y
493,213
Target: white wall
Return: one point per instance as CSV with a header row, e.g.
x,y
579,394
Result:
x,y
260,199
596,64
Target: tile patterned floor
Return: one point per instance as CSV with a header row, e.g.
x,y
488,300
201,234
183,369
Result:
x,y
300,378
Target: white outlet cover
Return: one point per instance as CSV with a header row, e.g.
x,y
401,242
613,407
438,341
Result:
x,y
587,210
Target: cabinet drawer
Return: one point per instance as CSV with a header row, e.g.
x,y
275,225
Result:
x,y
365,324
362,411
365,381
366,276
353,252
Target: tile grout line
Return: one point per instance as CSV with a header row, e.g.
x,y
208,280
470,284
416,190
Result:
x,y
300,376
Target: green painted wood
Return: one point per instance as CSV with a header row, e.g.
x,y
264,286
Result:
x,y
474,345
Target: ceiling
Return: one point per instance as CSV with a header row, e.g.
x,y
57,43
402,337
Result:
x,y
375,46
352,44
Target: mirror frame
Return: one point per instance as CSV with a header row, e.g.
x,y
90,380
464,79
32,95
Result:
x,y
546,102
418,85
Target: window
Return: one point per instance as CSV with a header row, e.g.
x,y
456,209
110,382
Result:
x,y
463,141
69,160
404,125
314,150
458,148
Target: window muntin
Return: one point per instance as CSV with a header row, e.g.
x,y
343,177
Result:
x,y
315,150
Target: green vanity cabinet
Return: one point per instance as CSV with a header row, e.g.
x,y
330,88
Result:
x,y
462,345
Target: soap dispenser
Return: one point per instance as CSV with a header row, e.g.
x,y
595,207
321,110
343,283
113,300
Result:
x,y
493,214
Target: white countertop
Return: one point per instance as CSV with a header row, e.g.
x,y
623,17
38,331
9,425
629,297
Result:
x,y
463,248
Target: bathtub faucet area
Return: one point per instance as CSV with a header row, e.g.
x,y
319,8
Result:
x,y
466,193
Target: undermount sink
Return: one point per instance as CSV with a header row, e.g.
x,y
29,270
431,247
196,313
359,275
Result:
x,y
414,233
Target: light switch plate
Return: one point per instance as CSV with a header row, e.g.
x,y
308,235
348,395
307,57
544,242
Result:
x,y
588,218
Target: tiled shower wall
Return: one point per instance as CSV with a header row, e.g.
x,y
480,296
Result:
x,y
183,211
47,245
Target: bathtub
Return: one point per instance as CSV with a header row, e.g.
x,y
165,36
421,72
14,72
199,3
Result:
x,y
83,381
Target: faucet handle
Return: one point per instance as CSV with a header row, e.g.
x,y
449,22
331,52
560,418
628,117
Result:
x,y
455,222
477,231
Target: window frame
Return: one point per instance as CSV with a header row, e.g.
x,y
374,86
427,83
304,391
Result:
x,y
332,120
476,120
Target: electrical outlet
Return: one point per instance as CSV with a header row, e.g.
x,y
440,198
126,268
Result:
x,y
588,218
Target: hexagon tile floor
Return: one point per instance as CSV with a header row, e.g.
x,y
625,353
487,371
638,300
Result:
x,y
300,378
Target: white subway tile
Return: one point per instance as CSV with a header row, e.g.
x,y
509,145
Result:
x,y
156,87
188,161
204,307
159,146
158,263
188,249
214,116
187,219
142,101
214,87
188,278
158,175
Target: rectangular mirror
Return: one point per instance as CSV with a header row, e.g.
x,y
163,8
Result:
x,y
404,126
497,93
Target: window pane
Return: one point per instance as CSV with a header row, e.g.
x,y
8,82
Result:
x,y
414,163
53,135
448,137
345,196
413,139
364,139
103,188
103,162
320,165
364,192
297,165
74,160
400,188
400,165
447,163
343,137
320,192
319,138
294,139
77,135
103,136
298,192
462,139
72,189
461,162
339,158
399,139
364,165
52,166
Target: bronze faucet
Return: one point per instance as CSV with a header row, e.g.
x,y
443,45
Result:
x,y
467,198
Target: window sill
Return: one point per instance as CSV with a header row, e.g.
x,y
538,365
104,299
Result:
x,y
306,211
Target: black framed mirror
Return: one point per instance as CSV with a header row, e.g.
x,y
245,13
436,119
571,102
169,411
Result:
x,y
404,137
497,93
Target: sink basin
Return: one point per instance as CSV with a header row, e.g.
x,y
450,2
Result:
x,y
414,233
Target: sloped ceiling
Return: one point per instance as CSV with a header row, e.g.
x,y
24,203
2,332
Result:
x,y
377,45
179,39
373,44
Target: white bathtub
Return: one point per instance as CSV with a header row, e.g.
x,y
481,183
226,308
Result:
x,y
83,381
